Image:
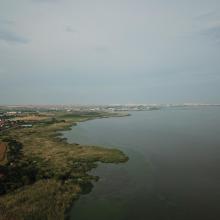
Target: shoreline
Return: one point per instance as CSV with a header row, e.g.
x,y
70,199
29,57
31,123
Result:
x,y
59,165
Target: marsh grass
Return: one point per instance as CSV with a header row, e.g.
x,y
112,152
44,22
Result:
x,y
61,169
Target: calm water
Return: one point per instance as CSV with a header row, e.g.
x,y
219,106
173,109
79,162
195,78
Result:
x,y
173,171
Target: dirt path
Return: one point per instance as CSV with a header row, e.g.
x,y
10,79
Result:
x,y
3,149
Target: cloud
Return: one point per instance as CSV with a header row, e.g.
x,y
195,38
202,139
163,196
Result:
x,y
6,22
207,15
12,37
42,1
209,23
101,49
212,32
70,29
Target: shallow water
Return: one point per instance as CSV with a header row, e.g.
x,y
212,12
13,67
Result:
x,y
173,171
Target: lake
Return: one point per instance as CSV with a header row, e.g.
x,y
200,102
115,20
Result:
x,y
173,170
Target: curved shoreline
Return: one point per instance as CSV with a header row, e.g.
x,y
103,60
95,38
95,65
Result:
x,y
59,165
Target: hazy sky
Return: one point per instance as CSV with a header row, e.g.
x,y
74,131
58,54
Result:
x,y
109,51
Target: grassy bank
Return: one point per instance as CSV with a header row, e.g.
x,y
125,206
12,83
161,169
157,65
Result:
x,y
44,174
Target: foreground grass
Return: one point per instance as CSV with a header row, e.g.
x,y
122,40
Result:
x,y
58,169
46,199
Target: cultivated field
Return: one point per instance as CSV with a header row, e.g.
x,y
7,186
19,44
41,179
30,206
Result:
x,y
31,118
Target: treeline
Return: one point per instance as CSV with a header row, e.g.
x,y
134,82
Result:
x,y
17,171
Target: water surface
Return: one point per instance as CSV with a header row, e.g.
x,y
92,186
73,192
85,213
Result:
x,y
173,171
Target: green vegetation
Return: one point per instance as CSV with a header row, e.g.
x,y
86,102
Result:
x,y
44,174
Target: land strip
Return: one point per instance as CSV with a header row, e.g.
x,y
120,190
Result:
x,y
44,174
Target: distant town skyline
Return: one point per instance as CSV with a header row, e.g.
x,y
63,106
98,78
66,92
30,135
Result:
x,y
108,51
